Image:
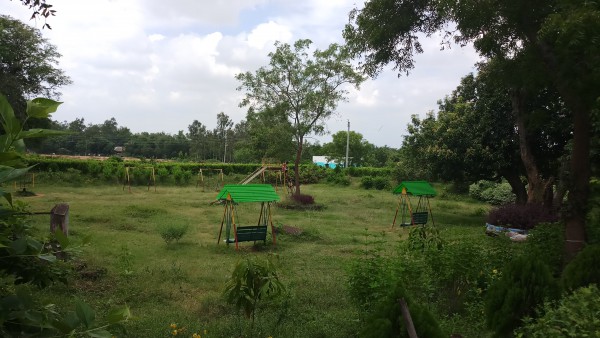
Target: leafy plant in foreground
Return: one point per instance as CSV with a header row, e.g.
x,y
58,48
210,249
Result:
x,y
575,315
24,258
252,281
525,284
584,269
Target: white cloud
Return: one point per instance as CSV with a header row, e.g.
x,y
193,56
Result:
x,y
268,33
158,65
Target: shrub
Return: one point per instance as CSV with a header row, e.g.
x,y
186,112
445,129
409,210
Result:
x,y
525,284
381,183
172,233
386,320
576,315
584,269
492,192
521,216
366,182
546,241
338,178
303,199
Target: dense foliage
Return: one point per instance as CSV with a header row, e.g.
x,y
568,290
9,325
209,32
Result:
x,y
521,216
526,282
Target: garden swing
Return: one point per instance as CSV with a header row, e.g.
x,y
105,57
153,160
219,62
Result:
x,y
230,196
414,216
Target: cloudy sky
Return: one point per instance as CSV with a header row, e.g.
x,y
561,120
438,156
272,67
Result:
x,y
157,65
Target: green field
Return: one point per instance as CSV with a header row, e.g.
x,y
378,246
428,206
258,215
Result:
x,y
127,261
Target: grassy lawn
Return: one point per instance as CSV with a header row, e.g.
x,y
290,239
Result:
x,y
128,262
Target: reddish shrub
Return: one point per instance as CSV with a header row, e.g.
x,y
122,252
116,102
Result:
x,y
303,199
521,216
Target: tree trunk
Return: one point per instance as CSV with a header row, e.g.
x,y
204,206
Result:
x,y
297,165
517,186
536,185
575,234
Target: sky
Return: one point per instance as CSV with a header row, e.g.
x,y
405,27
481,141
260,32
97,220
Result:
x,y
157,66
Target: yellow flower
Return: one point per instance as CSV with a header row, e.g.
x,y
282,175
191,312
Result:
x,y
173,326
495,271
174,332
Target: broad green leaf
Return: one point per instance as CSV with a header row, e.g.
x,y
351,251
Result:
x,y
19,246
118,315
34,244
6,195
85,314
10,173
9,156
9,121
49,258
62,239
99,334
41,108
32,133
67,324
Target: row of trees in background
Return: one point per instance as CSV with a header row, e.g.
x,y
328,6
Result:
x,y
249,141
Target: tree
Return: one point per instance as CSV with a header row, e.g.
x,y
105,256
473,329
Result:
x,y
358,150
561,35
269,135
307,90
27,65
223,131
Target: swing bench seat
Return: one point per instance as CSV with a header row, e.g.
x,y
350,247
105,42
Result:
x,y
418,218
251,233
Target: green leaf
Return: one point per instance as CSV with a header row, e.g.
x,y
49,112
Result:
x,y
41,108
99,334
10,173
9,121
67,324
48,258
6,195
62,239
33,133
85,314
9,156
19,246
119,315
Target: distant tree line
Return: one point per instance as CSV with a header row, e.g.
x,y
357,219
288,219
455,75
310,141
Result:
x,y
249,141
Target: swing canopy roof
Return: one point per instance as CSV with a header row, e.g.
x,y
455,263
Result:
x,y
416,188
241,193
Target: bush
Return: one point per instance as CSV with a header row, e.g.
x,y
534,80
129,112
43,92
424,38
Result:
x,y
521,216
172,233
547,241
584,269
492,192
338,178
375,182
386,320
576,315
525,284
303,199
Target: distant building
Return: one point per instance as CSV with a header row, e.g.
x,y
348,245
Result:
x,y
322,161
119,149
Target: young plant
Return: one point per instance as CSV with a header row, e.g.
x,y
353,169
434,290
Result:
x,y
172,233
252,281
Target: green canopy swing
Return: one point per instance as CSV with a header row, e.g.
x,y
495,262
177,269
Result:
x,y
420,214
232,194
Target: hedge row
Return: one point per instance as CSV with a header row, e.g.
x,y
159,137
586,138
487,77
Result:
x,y
110,167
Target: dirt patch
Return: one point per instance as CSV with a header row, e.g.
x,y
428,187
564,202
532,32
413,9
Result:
x,y
290,230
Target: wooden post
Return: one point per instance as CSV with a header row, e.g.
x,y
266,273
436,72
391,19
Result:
x,y
59,217
410,327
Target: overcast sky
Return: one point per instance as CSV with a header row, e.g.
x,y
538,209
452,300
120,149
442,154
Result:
x,y
157,65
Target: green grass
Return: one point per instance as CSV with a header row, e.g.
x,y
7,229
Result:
x,y
128,262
